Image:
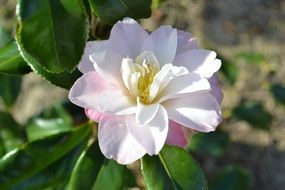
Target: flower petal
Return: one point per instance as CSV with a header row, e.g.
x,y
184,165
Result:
x,y
115,102
184,84
145,113
86,90
127,38
93,115
116,142
152,136
85,64
176,135
162,42
199,111
185,42
199,61
108,65
216,88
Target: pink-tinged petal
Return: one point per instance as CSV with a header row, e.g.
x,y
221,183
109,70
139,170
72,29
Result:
x,y
199,61
216,88
163,43
86,90
185,42
85,64
183,85
116,142
108,65
115,102
93,115
145,113
199,111
152,136
127,38
176,135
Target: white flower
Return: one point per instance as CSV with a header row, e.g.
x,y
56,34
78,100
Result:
x,y
142,88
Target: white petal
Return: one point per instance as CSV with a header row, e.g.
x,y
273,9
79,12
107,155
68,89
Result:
x,y
108,64
185,42
127,38
145,113
85,64
200,61
216,88
86,90
162,78
162,42
199,111
152,136
184,84
116,142
115,102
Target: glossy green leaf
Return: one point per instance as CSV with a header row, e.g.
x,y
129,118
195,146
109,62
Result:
x,y
11,62
250,57
11,134
213,143
56,175
110,11
26,161
231,178
94,171
278,92
5,37
9,89
254,113
64,79
174,168
53,32
229,70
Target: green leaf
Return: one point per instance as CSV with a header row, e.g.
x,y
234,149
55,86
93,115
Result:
x,y
254,113
11,134
213,143
51,121
9,89
229,70
53,32
56,175
278,92
250,57
11,62
94,171
4,37
29,159
231,178
110,11
174,168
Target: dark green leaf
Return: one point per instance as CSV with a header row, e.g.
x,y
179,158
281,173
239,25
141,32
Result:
x,y
11,134
110,11
56,175
214,143
250,57
9,89
94,171
11,62
53,32
254,113
29,159
174,168
231,178
278,92
4,37
229,70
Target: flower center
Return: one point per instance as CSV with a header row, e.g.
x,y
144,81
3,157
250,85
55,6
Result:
x,y
138,76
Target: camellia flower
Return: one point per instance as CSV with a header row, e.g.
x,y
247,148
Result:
x,y
146,90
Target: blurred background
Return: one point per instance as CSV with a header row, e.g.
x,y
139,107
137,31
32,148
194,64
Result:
x,y
248,149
